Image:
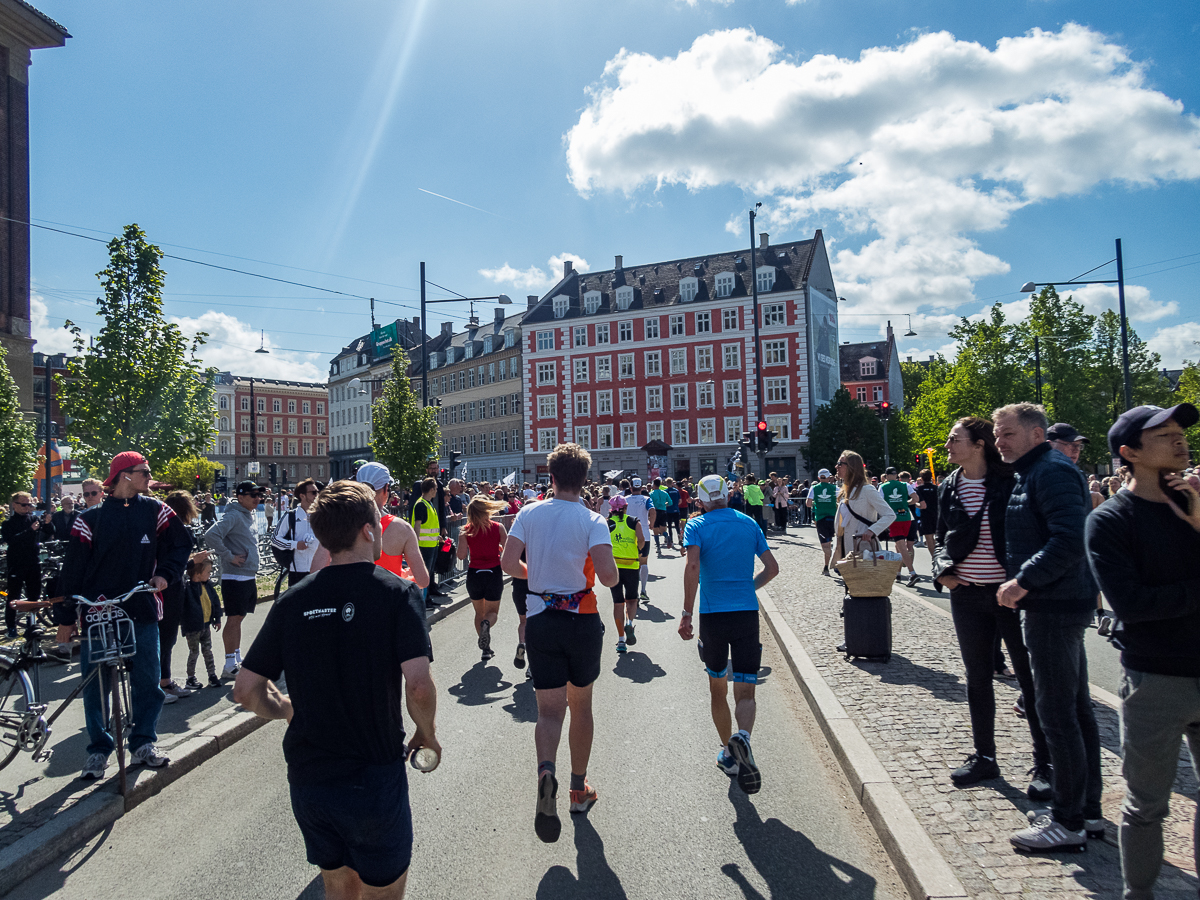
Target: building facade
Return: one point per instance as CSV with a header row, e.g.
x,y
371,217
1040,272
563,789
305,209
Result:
x,y
871,371
653,367
224,446
476,379
281,425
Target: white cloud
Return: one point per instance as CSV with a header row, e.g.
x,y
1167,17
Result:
x,y
1177,343
913,147
49,338
535,278
725,2
231,345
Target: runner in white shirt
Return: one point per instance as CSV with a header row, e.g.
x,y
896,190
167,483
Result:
x,y
640,507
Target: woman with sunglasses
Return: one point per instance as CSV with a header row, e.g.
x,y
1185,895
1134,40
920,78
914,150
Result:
x,y
22,531
862,511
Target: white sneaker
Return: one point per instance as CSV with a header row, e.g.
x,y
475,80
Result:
x,y
1094,828
93,770
230,670
148,755
1048,836
169,698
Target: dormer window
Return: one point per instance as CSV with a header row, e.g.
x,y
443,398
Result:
x,y
624,297
591,302
765,278
449,355
510,338
867,366
560,306
469,349
487,344
687,289
725,284
433,360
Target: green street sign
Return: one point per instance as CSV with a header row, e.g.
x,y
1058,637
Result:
x,y
385,338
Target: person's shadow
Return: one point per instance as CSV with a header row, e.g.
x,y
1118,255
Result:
x,y
596,877
523,706
638,668
478,683
652,613
788,861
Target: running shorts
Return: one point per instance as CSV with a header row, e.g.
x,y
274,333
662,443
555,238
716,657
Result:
x,y
485,584
645,551
928,524
825,529
238,597
912,531
361,820
627,586
898,531
730,640
563,647
520,590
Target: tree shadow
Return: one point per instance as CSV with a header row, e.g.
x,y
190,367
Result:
x,y
902,670
478,683
638,668
788,861
523,707
596,881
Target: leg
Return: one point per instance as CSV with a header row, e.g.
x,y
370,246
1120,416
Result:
x,y
193,642
631,609
146,696
1009,624
975,626
619,612
552,711
718,696
491,612
231,636
207,650
521,630
579,737
168,628
480,615
344,884
100,741
744,706
931,544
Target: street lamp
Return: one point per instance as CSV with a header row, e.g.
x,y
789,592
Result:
x,y
254,410
501,298
1119,281
910,332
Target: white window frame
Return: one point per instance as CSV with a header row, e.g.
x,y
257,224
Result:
x,y
704,322
781,425
678,425
603,333
547,406
774,353
650,328
653,362
547,373
654,398
591,302
861,394
561,304
654,431
583,436
731,356
733,429
878,392
580,336
705,395
706,431
625,331
733,393
688,289
625,366
547,439
704,361
545,340
604,368
604,437
866,367
628,435
583,403
624,297
628,400
679,396
678,360
775,390
765,279
725,282
774,314
581,370
604,406
678,325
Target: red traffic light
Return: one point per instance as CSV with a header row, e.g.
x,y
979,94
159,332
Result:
x,y
885,405
762,426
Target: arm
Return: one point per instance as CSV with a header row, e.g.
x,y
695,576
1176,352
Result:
x,y
691,583
462,550
215,537
260,695
604,564
510,559
1065,512
653,514
411,549
1111,557
421,694
770,570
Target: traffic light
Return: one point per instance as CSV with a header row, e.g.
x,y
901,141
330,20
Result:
x,y
455,456
885,409
272,472
746,444
767,441
197,488
918,461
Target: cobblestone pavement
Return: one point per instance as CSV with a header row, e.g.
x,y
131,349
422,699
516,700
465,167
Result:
x,y
913,713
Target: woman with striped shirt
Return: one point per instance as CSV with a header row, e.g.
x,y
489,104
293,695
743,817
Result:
x,y
970,562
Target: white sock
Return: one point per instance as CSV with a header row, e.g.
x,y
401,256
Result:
x,y
230,659
644,576
237,654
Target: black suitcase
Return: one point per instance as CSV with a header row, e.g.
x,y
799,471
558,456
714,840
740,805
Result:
x,y
868,627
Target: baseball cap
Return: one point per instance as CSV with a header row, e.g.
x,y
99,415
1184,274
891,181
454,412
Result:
x,y
375,474
637,482
120,463
890,470
247,487
824,473
1061,431
1134,421
618,502
712,487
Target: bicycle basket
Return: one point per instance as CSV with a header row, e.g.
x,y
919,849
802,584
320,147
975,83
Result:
x,y
110,634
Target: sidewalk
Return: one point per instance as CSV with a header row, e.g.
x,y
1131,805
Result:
x,y
913,714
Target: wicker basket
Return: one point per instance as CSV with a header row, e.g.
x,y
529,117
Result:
x,y
870,577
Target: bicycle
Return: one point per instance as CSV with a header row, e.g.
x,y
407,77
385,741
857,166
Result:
x,y
110,641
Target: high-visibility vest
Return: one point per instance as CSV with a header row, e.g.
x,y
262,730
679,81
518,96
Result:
x,y
428,532
624,542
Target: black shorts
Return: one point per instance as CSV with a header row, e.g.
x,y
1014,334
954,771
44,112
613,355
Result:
x,y
912,531
238,597
730,639
928,525
825,529
645,551
485,584
628,585
520,590
362,821
563,647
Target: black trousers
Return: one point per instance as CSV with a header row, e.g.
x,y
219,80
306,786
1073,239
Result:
x,y
168,625
21,579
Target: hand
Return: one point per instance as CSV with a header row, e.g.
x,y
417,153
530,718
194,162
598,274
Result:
x,y
158,583
419,740
239,560
685,627
1010,594
951,581
35,525
216,624
1175,480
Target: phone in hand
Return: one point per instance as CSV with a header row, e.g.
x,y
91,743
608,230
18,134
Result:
x,y
1178,497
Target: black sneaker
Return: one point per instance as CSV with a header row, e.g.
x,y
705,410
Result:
x,y
519,659
825,571
546,823
214,681
913,579
976,769
485,638
1041,782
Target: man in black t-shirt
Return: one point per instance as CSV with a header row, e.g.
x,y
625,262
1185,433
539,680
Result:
x,y
347,639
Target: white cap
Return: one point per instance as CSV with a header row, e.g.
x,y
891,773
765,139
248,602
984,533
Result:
x,y
824,473
712,487
637,482
375,474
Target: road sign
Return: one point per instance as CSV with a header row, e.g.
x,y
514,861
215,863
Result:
x,y
253,468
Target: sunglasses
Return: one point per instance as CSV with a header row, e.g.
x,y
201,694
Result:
x,y
23,504
145,472
92,493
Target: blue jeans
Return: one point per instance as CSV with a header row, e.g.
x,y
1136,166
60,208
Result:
x,y
1064,708
146,697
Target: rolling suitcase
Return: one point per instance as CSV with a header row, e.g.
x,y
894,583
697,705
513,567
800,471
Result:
x,y
868,627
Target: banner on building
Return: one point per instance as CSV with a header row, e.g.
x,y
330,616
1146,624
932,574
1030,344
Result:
x,y
824,377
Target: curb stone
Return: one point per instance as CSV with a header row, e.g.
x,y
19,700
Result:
x,y
921,866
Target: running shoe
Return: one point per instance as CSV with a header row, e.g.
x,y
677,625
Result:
x,y
230,670
485,636
1048,836
582,801
546,823
1094,828
173,689
93,769
60,653
621,648
486,655
630,636
727,763
645,598
214,681
1040,783
148,755
1019,706
913,579
519,659
168,699
976,769
825,571
748,777
193,683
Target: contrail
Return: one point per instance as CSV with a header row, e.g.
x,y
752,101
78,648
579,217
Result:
x,y
468,205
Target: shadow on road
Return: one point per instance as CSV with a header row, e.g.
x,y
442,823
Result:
x,y
651,613
596,877
638,668
788,861
523,707
902,670
478,683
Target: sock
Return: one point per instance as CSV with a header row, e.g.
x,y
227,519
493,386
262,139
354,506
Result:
x,y
545,766
237,654
578,781
644,576
230,659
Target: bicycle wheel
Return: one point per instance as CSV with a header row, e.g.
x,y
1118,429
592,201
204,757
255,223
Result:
x,y
16,696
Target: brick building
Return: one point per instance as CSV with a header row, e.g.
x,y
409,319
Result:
x,y
660,357
871,371
290,422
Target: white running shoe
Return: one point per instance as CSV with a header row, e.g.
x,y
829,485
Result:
x,y
1048,836
93,770
148,755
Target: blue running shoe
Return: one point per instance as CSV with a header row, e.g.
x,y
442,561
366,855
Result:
x,y
748,777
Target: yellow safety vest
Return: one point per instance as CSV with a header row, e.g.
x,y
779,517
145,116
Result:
x,y
624,542
428,532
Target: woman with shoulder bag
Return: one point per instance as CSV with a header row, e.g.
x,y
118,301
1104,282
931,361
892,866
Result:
x,y
969,561
862,511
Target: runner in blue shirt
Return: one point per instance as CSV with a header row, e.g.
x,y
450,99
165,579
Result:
x,y
721,546
660,499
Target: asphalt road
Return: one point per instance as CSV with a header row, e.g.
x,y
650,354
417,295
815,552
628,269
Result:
x,y
668,824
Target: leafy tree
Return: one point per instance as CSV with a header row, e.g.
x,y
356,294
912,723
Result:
x,y
182,472
844,424
140,386
405,433
18,441
914,375
1189,392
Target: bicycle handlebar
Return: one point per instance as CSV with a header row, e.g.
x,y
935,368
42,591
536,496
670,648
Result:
x,y
31,605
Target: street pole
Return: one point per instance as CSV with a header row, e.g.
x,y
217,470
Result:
x,y
1124,326
1037,366
49,403
424,344
253,427
887,457
757,346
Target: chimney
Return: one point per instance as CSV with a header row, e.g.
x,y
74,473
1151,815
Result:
x,y
931,357
416,321
618,265
763,243
499,315
890,335
910,359
448,328
532,300
568,268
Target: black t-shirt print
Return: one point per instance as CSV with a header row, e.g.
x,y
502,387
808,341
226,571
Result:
x,y
339,638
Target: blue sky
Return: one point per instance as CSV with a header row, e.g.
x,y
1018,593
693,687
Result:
x,y
949,151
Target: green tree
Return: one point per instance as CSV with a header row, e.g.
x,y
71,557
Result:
x,y
141,385
18,441
844,424
1189,392
914,375
404,432
190,473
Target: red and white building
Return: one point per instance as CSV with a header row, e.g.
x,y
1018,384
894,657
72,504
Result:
x,y
289,420
871,371
663,354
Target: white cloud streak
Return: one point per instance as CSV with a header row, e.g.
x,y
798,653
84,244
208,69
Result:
x,y
535,278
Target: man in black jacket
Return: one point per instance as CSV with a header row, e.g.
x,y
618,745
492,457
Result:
x,y
1143,545
1050,582
22,531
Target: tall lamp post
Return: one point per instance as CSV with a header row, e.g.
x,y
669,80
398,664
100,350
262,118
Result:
x,y
254,410
501,298
758,388
1119,281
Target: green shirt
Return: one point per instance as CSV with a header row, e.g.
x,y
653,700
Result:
x,y
753,494
660,498
895,494
824,498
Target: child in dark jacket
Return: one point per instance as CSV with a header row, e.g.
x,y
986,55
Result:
x,y
201,609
